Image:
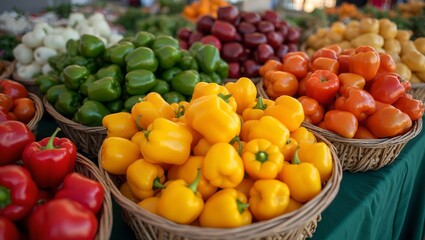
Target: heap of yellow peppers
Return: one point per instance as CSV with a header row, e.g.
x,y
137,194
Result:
x,y
225,159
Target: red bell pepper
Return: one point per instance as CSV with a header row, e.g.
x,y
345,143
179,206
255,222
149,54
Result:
x,y
8,229
13,89
14,136
18,192
412,107
357,101
322,86
50,160
4,115
84,190
387,88
62,219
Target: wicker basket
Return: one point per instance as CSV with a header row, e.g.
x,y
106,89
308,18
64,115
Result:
x,y
418,91
28,83
8,69
260,89
39,111
359,155
90,170
87,139
298,224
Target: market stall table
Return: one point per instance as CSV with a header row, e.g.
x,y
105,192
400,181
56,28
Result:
x,y
384,204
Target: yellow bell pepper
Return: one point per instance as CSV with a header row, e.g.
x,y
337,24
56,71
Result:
x,y
292,206
303,179
289,149
227,208
120,124
117,154
262,159
245,185
152,107
211,116
319,154
204,89
222,166
126,192
150,204
196,136
137,138
288,110
246,127
202,147
166,142
269,128
303,135
244,91
145,178
179,111
180,202
188,172
255,110
268,198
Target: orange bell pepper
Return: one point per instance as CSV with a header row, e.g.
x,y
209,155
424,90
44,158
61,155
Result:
x,y
324,63
313,111
341,122
365,62
387,63
270,65
296,63
350,80
388,122
323,86
412,107
281,83
364,133
357,101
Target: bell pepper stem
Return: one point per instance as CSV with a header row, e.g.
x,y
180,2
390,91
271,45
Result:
x,y
241,206
261,156
225,97
296,159
237,139
157,184
194,185
147,134
180,111
4,197
260,104
49,144
137,123
288,141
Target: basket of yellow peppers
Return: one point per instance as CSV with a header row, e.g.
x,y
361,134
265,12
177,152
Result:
x,y
224,165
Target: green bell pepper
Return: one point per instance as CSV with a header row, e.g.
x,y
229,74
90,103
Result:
x,y
168,74
161,87
215,78
104,90
141,58
186,62
139,81
74,75
44,82
118,52
185,81
89,63
68,103
203,77
72,47
91,113
195,48
222,69
168,56
173,97
53,93
113,71
129,103
208,58
86,83
165,40
91,46
143,39
115,106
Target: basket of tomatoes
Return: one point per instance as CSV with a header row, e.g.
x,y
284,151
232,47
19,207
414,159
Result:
x,y
353,98
16,103
49,190
195,170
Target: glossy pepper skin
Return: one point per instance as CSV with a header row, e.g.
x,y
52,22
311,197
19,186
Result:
x,y
388,122
50,160
90,46
342,122
8,229
113,71
211,114
287,110
74,75
244,92
44,82
141,58
357,101
227,208
120,124
185,81
303,135
104,90
412,107
167,56
139,81
365,62
166,142
269,128
323,86
68,103
313,110
118,153
18,192
387,88
262,159
222,166
145,178
14,137
181,202
203,88
53,93
268,198
303,179
91,113
288,150
87,192
117,53
208,58
318,154
62,219
255,110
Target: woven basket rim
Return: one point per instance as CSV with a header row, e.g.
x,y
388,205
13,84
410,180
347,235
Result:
x,y
8,70
106,219
39,111
417,85
68,122
285,222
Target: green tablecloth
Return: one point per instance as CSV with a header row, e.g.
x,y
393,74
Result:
x,y
384,204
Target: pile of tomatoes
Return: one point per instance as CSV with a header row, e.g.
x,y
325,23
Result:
x,y
15,103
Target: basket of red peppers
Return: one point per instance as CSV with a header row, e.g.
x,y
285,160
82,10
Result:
x,y
48,190
353,97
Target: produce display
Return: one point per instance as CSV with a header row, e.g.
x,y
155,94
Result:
x,y
355,93
36,202
256,169
127,72
246,40
7,43
15,103
203,7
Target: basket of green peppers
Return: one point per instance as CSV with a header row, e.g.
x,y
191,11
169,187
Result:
x,y
97,81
